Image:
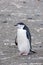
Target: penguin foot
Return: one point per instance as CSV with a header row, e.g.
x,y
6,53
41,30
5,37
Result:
x,y
23,53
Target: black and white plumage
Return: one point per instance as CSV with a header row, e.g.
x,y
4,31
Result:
x,y
23,39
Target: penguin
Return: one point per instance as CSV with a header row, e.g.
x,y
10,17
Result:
x,y
23,39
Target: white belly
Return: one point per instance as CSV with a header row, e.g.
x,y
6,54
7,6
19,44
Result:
x,y
23,42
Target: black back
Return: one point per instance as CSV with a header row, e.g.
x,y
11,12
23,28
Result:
x,y
28,35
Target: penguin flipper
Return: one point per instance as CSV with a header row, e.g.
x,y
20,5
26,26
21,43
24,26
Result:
x,y
16,40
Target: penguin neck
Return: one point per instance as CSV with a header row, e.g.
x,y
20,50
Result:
x,y
21,28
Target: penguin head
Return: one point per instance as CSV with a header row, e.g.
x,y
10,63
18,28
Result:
x,y
20,25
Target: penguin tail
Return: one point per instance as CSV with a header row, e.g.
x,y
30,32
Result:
x,y
31,51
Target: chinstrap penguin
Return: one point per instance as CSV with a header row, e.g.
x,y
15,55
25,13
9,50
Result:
x,y
23,39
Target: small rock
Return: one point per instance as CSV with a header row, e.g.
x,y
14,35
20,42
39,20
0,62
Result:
x,y
29,18
24,2
5,21
40,46
9,15
38,0
41,24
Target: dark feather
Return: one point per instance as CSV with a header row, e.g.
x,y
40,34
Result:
x,y
28,35
16,40
31,51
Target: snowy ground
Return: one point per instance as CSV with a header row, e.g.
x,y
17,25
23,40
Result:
x,y
31,13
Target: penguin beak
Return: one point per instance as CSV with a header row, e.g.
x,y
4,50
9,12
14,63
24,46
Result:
x,y
15,25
